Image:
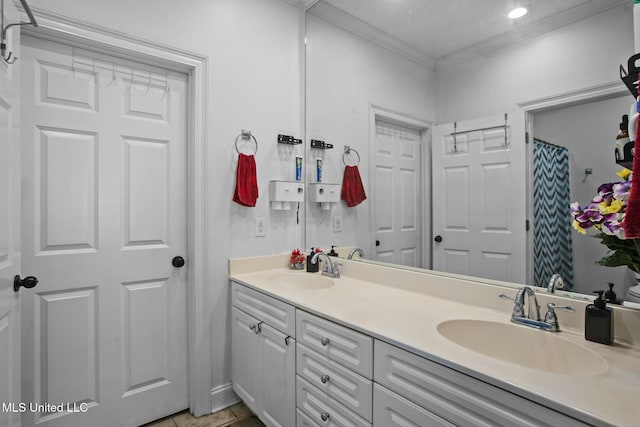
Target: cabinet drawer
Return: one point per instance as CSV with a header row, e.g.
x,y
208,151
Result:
x,y
340,344
321,408
274,312
347,387
303,420
456,397
391,410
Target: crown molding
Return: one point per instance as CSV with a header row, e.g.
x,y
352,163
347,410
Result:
x,y
528,31
357,26
566,99
302,4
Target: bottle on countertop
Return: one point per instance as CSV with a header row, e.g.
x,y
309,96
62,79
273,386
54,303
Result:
x,y
312,268
333,252
611,297
598,321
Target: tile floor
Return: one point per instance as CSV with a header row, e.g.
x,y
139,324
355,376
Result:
x,y
237,415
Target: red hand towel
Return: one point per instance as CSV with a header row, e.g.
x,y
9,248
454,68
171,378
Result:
x,y
352,189
631,223
246,192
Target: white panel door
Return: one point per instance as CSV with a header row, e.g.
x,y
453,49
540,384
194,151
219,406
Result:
x,y
398,195
277,366
10,229
104,169
479,199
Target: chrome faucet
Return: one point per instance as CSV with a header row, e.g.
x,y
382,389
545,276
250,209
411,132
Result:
x,y
329,268
518,308
550,322
555,282
353,251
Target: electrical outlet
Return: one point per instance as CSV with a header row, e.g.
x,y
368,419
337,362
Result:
x,y
260,227
337,224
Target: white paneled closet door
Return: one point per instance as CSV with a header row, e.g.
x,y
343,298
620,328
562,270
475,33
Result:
x,y
479,198
397,200
104,205
10,229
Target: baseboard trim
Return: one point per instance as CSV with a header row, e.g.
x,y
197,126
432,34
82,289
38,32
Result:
x,y
222,397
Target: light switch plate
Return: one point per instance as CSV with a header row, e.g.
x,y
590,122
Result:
x,y
337,224
260,227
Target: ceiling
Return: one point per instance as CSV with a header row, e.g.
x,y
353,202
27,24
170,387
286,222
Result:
x,y
437,32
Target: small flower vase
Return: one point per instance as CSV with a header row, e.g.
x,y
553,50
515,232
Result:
x,y
296,265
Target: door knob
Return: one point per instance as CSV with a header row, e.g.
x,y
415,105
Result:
x,y
177,261
377,242
438,239
28,282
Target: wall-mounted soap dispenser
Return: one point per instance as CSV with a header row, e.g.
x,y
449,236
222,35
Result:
x,y
283,194
325,194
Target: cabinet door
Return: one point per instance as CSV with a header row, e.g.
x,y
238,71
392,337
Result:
x,y
276,313
277,378
245,346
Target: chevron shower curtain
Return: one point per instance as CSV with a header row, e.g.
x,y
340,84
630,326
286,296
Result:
x,y
552,250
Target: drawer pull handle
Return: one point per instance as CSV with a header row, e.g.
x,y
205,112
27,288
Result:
x,y
324,416
255,328
324,342
324,379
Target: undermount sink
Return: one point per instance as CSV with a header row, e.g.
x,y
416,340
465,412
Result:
x,y
303,281
524,346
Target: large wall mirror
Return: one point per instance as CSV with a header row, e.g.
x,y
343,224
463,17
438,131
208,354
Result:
x,y
389,82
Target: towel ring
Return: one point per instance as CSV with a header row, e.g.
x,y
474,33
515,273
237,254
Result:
x,y
246,135
348,150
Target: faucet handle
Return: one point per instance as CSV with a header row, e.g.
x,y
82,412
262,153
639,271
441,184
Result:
x,y
503,296
551,306
551,317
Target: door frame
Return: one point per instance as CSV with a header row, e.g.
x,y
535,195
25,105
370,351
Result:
x,y
537,105
61,29
424,126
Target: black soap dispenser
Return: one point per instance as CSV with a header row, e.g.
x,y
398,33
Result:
x,y
333,252
312,268
598,321
611,297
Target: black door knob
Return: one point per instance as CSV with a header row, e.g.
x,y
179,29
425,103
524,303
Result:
x,y
177,261
438,239
377,242
28,282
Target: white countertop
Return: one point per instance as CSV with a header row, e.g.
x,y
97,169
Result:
x,y
406,314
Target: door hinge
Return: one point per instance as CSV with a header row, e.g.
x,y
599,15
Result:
x,y
526,226
526,137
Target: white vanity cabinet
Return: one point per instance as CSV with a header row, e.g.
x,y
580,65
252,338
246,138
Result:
x,y
263,355
334,370
294,368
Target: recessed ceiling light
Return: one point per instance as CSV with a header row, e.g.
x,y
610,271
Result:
x,y
518,12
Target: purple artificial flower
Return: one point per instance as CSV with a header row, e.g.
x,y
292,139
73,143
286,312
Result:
x,y
590,216
621,190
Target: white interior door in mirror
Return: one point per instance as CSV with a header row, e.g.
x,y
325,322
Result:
x,y
10,213
104,215
479,198
397,202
